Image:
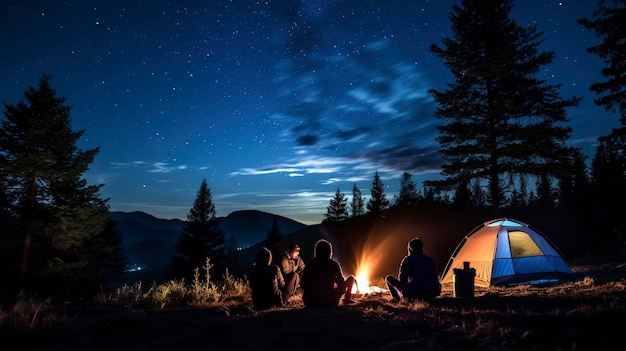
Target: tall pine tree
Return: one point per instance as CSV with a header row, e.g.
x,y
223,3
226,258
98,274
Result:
x,y
378,202
200,238
498,117
337,209
408,194
57,214
357,205
273,240
609,163
609,23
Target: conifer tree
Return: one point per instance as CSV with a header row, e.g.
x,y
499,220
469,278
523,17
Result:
x,y
232,256
57,213
113,258
498,117
609,23
463,194
378,201
574,187
545,197
200,238
358,202
337,209
609,163
273,240
519,199
408,194
608,181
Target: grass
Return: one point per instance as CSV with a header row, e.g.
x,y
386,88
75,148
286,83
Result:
x,y
573,314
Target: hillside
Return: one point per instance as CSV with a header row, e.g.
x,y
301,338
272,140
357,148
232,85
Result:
x,y
150,241
586,313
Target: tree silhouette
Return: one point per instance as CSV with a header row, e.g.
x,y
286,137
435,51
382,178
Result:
x,y
546,194
609,23
337,209
113,258
519,198
273,240
574,189
498,118
357,205
57,215
608,173
200,238
378,201
609,163
408,194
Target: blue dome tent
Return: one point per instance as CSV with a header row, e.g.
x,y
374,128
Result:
x,y
506,251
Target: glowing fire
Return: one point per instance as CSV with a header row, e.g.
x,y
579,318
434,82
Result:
x,y
371,255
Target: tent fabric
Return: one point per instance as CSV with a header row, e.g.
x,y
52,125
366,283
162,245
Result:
x,y
506,251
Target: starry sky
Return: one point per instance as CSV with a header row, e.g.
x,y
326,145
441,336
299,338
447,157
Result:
x,y
275,103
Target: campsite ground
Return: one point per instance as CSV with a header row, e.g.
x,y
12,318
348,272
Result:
x,y
586,313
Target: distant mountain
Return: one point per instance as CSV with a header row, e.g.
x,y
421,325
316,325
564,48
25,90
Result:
x,y
150,241
250,226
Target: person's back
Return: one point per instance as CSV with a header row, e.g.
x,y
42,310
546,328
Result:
x,y
421,276
418,277
265,282
322,279
318,282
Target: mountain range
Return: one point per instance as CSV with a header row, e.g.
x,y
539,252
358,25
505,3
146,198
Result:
x,y
149,241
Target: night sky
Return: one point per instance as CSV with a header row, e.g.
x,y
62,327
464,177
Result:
x,y
275,103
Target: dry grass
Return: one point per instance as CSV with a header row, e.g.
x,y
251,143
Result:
x,y
583,314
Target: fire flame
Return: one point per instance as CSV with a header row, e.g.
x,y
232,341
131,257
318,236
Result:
x,y
371,255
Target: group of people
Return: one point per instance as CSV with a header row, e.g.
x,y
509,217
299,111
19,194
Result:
x,y
323,283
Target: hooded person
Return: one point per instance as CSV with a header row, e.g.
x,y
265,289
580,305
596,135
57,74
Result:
x,y
291,266
418,278
323,283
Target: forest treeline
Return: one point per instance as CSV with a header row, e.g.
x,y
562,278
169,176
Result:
x,y
503,137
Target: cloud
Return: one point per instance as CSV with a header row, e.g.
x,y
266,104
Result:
x,y
307,140
164,167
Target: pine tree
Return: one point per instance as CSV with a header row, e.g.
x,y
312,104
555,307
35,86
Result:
x,y
113,258
58,214
519,199
408,194
574,187
200,238
609,23
358,202
609,163
232,256
608,181
463,194
545,197
273,240
378,201
499,118
337,209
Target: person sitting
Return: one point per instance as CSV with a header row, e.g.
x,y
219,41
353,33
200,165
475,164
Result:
x,y
266,281
323,283
291,266
418,279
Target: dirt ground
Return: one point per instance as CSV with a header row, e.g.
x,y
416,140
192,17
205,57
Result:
x,y
586,313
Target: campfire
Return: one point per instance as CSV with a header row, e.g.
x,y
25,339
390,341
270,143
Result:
x,y
362,286
370,257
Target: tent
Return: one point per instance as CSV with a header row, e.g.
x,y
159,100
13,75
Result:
x,y
504,252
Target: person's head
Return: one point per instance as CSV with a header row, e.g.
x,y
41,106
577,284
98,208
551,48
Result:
x,y
263,257
323,248
415,246
293,250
